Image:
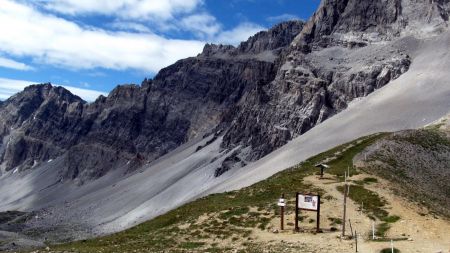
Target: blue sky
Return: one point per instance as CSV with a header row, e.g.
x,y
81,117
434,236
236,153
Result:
x,y
91,46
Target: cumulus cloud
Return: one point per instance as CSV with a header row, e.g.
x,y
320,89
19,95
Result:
x,y
240,33
56,41
12,64
9,87
203,25
27,30
282,17
126,9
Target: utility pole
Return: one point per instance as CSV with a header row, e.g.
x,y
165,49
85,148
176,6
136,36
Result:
x,y
351,228
373,230
345,209
296,213
318,214
282,213
282,204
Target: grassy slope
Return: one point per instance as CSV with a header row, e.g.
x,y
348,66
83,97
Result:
x,y
415,161
229,215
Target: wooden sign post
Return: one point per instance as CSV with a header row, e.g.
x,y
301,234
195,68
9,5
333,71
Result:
x,y
296,228
282,204
322,167
307,202
318,214
345,209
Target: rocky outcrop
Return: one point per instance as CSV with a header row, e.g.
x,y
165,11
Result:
x,y
280,36
134,124
38,124
271,88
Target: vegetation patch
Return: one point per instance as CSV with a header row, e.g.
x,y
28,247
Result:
x,y
191,245
335,221
381,229
370,180
373,203
389,250
391,219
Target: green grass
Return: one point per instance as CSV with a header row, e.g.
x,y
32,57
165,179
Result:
x,y
335,221
391,219
389,250
367,180
229,213
381,229
370,180
191,245
234,212
373,203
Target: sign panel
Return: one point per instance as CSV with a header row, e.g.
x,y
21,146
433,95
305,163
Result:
x,y
281,202
308,202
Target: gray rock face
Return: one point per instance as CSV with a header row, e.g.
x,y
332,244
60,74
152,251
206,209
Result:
x,y
275,86
134,124
38,124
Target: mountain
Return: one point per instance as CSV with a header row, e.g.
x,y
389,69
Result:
x,y
184,101
223,120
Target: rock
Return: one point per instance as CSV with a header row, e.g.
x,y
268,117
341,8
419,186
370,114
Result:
x,y
271,88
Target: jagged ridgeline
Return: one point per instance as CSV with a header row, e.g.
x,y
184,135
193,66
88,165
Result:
x,y
271,88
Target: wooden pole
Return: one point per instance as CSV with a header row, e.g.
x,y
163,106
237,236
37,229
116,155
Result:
x,y
345,210
351,228
392,246
373,230
282,214
318,214
356,240
296,213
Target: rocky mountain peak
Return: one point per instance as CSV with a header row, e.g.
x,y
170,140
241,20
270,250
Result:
x,y
43,92
371,20
277,37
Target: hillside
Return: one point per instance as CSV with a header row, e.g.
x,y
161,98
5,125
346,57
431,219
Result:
x,y
247,220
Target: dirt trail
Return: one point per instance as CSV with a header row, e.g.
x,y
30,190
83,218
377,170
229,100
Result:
x,y
425,233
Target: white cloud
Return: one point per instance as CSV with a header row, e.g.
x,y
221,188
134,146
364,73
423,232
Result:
x,y
27,31
126,9
129,26
283,17
9,87
203,25
48,39
12,64
238,34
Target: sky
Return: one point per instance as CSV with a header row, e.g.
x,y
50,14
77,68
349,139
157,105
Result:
x,y
91,46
